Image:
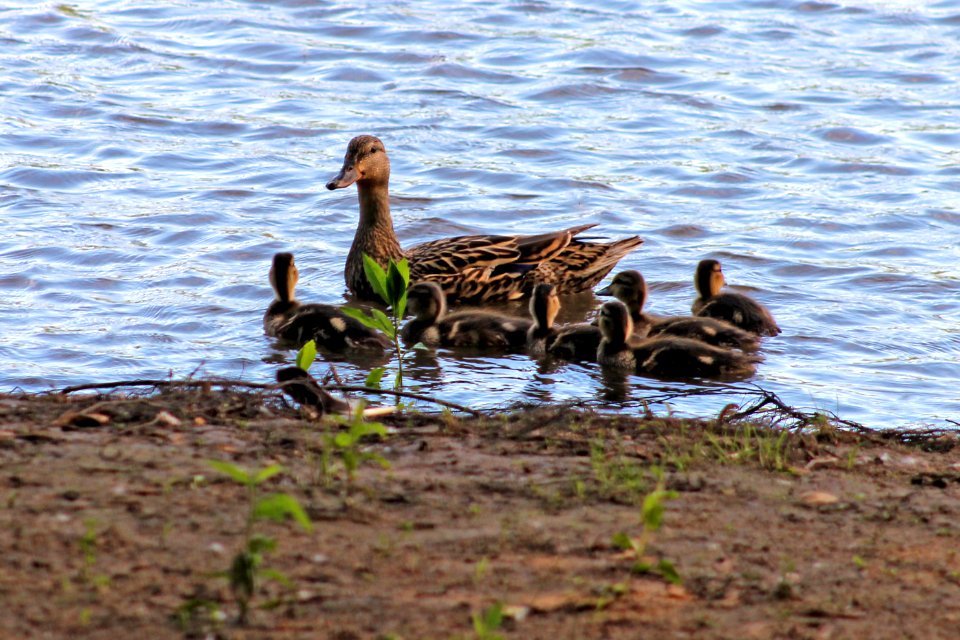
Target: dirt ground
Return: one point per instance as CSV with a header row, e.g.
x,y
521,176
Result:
x,y
114,524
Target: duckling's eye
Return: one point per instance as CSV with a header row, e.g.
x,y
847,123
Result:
x,y
374,150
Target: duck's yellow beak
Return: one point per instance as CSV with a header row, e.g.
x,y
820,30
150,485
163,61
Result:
x,y
347,176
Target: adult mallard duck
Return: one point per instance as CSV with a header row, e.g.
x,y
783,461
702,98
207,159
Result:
x,y
665,356
630,288
474,269
433,326
735,308
289,320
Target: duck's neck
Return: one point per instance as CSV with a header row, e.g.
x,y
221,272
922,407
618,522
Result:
x,y
375,236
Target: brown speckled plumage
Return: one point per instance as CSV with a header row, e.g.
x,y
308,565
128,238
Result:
x,y
735,308
474,269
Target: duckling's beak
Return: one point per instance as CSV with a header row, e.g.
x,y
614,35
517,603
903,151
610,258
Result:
x,y
606,291
347,176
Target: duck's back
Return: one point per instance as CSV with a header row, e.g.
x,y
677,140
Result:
x,y
330,328
739,310
713,331
576,342
680,358
484,330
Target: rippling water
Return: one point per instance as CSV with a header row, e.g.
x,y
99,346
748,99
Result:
x,y
154,155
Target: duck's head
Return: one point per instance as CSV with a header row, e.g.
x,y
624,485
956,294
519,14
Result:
x,y
283,276
426,301
615,322
709,278
544,305
628,287
366,162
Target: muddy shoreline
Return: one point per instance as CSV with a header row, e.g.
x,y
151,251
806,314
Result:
x,y
115,524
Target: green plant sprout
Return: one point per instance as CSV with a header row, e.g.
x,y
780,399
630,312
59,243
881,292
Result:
x,y
345,445
247,565
486,623
651,519
391,285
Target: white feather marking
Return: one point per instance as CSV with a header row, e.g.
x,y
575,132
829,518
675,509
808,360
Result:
x,y
338,324
454,329
707,360
737,317
509,326
710,331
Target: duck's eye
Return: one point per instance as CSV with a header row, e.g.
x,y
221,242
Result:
x,y
374,150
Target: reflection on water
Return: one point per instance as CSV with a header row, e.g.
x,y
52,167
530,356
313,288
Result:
x,y
154,157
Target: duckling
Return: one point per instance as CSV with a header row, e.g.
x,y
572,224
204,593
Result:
x,y
289,320
575,342
544,307
665,356
470,269
735,308
433,326
630,288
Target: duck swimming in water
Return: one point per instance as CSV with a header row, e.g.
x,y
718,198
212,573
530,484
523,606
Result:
x,y
630,288
736,308
433,326
472,269
297,323
665,356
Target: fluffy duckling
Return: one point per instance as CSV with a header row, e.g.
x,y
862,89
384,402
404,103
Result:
x,y
473,269
630,288
289,320
575,342
544,307
735,308
665,356
433,326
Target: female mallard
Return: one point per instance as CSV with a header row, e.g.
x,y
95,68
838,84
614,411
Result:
x,y
289,320
630,288
477,269
433,326
735,308
665,356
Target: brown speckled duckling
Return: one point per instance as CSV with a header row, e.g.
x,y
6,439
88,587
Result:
x,y
297,323
544,307
665,356
630,288
735,308
433,326
474,269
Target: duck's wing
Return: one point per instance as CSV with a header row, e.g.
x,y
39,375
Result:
x,y
581,265
741,311
482,268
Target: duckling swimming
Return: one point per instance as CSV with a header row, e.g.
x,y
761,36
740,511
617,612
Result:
x,y
475,269
433,326
736,308
630,288
665,356
544,307
291,321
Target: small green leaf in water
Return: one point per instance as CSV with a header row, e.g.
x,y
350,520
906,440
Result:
x,y
374,378
306,355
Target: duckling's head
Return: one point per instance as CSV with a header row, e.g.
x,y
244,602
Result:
x,y
426,301
366,162
615,322
544,305
283,276
709,278
628,287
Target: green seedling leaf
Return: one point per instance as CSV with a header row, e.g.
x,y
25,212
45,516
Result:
x,y
275,575
278,506
377,277
242,571
485,623
668,571
361,429
420,347
343,440
385,324
622,541
361,316
642,567
396,284
400,308
259,545
266,473
306,355
232,470
374,378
